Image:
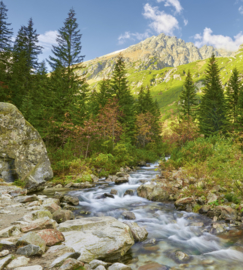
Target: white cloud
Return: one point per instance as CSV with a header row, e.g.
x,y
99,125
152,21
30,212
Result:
x,y
218,41
133,36
241,10
48,39
185,22
175,3
161,21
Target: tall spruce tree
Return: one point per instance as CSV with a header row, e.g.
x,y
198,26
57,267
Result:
x,y
232,97
121,90
212,114
187,99
5,31
145,102
69,87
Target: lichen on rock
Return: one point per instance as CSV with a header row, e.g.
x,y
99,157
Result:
x,y
23,154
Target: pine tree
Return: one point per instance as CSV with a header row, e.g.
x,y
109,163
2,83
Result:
x,y
187,99
232,97
67,52
71,89
5,32
121,90
212,115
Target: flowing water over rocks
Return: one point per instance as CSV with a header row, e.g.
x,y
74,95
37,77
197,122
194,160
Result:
x,y
176,240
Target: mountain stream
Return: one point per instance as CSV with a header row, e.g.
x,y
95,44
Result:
x,y
169,230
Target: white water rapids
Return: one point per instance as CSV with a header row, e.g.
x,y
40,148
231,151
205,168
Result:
x,y
169,230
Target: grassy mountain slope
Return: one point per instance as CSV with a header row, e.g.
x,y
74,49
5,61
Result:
x,y
166,84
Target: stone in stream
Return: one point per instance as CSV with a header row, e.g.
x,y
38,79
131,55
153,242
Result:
x,y
39,224
121,180
23,153
184,203
73,200
129,215
97,237
114,191
153,192
105,195
129,192
153,266
139,233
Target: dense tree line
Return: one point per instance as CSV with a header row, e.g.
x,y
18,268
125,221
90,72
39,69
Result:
x,y
217,111
60,104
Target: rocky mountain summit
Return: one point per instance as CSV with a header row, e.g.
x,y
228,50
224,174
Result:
x,y
153,53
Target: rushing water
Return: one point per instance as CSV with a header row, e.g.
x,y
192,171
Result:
x,y
169,230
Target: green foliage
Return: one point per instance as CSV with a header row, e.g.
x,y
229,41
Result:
x,y
19,183
5,32
232,198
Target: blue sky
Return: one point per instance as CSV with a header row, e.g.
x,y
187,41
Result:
x,y
111,25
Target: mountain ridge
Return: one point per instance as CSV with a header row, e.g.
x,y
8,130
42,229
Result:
x,y
154,53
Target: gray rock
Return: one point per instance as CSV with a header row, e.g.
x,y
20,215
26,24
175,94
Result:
x,y
119,266
97,237
10,231
32,238
153,192
63,215
25,199
73,200
57,250
129,192
93,264
5,261
100,267
129,215
121,180
105,195
70,264
139,233
212,197
22,150
60,260
114,191
4,253
30,250
20,261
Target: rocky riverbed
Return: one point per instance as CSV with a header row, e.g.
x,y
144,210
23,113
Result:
x,y
108,226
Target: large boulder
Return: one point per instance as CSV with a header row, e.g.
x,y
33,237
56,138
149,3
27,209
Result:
x,y
23,153
97,237
153,192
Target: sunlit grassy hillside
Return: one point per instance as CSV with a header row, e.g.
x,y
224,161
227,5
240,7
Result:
x,y
166,84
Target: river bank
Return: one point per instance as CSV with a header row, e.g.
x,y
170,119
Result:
x,y
175,240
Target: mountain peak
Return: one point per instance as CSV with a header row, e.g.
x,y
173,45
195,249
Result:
x,y
153,53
